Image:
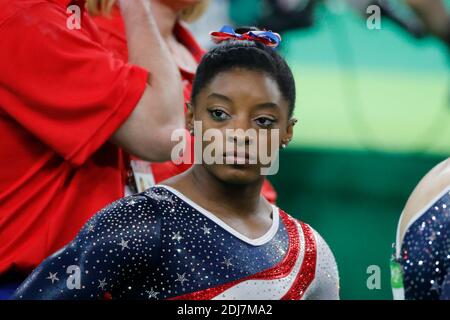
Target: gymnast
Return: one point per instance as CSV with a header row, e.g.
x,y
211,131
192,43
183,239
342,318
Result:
x,y
422,259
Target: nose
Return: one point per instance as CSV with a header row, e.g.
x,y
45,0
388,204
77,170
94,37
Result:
x,y
239,133
239,136
240,139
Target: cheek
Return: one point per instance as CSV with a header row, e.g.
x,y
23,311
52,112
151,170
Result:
x,y
212,143
270,140
210,128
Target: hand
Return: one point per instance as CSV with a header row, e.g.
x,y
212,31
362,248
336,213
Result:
x,y
134,5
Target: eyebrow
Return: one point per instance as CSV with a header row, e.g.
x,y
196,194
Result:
x,y
267,105
220,96
264,105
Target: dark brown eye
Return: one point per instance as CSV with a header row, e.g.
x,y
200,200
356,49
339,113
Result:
x,y
219,115
265,122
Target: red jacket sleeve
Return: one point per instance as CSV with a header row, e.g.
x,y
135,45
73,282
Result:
x,y
62,85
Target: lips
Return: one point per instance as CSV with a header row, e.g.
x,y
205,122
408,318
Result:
x,y
233,157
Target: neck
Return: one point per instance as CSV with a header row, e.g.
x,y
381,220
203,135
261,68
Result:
x,y
242,199
165,18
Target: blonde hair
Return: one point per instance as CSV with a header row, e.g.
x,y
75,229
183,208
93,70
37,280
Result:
x,y
194,12
99,7
104,7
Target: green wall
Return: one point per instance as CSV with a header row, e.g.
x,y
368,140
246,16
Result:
x,y
354,199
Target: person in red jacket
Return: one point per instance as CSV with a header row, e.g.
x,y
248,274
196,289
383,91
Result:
x,y
170,17
68,106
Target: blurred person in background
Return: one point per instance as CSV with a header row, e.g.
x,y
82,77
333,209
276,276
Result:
x,y
421,264
67,109
421,269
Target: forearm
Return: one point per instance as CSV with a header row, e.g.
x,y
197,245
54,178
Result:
x,y
147,49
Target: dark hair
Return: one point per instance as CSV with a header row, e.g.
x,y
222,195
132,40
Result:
x,y
250,55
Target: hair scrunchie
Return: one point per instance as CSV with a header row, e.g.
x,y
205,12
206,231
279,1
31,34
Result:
x,y
268,38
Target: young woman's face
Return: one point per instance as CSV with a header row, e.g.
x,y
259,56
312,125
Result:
x,y
241,99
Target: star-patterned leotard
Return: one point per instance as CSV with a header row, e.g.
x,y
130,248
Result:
x,y
424,253
160,245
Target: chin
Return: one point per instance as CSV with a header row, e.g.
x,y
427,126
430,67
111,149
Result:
x,y
238,174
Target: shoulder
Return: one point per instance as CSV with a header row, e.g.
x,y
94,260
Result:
x,y
326,281
139,216
307,232
147,207
129,221
431,189
325,284
325,259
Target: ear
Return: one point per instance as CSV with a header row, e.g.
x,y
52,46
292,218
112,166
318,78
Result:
x,y
287,137
189,116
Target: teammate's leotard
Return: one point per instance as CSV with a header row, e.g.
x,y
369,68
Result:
x,y
160,245
424,252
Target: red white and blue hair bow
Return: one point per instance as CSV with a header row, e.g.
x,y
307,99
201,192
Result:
x,y
269,38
